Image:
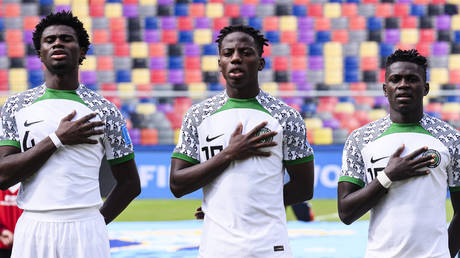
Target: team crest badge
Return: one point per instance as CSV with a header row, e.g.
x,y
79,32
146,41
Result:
x,y
437,158
263,131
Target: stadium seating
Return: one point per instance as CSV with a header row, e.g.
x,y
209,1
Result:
x,y
154,58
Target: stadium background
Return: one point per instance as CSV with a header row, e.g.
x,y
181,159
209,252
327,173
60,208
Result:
x,y
155,58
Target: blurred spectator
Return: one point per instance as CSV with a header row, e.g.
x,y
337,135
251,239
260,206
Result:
x,y
9,214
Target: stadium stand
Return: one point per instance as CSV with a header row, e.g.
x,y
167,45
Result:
x,y
155,58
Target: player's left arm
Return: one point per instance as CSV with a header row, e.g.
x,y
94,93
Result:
x,y
127,187
300,186
454,227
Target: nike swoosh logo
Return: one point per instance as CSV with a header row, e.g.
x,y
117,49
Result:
x,y
31,123
375,160
213,138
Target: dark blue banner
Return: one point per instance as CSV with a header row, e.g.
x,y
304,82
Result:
x,y
154,162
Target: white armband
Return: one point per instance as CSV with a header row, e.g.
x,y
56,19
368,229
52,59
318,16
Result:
x,y
384,179
55,140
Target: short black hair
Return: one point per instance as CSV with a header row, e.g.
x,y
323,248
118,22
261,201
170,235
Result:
x,y
62,18
412,56
258,37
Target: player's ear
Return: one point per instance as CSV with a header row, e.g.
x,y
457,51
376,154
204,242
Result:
x,y
261,64
218,64
384,87
427,89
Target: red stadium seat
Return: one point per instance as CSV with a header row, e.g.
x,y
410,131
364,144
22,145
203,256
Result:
x,y
100,36
384,10
29,22
454,76
220,23
424,48
267,51
357,23
358,86
192,76
13,37
115,100
369,1
340,36
322,23
280,63
271,23
232,10
298,49
401,9
121,49
192,62
117,24
149,136
118,36
11,9
349,10
409,22
169,36
185,23
16,50
427,35
315,10
4,80
104,63
289,37
298,63
382,75
158,76
369,63
96,9
157,50
196,10
301,2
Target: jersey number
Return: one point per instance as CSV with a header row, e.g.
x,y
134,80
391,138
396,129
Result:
x,y
373,172
212,150
24,141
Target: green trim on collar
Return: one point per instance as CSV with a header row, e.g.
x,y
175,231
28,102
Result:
x,y
61,94
10,143
405,128
181,156
352,180
251,103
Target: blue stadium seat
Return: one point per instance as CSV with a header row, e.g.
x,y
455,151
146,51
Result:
x,y
151,23
386,49
417,10
351,62
35,78
2,24
255,22
210,50
457,36
316,49
374,23
273,36
186,36
123,76
323,36
216,87
114,1
351,75
181,10
299,10
268,63
46,2
175,62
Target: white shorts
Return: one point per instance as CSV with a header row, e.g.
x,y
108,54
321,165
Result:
x,y
74,233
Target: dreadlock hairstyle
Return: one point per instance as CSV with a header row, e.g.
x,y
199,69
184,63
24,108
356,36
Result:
x,y
62,18
412,56
258,37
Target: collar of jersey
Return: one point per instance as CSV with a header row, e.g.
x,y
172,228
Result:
x,y
405,128
61,94
251,103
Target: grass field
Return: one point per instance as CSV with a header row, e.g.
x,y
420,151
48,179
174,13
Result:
x,y
183,209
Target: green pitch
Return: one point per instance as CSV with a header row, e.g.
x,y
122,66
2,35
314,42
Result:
x,y
183,209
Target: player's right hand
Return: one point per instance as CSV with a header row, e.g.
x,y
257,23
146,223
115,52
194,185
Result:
x,y
78,131
399,168
243,146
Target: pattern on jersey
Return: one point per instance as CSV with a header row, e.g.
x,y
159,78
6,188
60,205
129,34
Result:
x,y
450,137
106,111
114,121
13,105
192,119
295,144
352,161
353,164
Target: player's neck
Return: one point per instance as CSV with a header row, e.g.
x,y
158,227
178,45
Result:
x,y
242,93
68,81
406,118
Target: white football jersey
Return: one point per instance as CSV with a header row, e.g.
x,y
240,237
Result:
x,y
70,177
410,220
245,214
